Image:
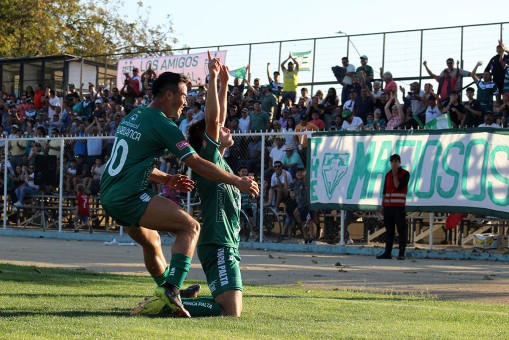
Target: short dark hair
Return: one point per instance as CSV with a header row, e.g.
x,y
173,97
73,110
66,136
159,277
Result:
x,y
168,81
395,157
196,134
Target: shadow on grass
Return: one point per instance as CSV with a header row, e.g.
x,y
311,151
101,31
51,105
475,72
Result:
x,y
366,297
64,314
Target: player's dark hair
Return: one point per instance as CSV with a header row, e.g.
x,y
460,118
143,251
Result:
x,y
168,81
196,135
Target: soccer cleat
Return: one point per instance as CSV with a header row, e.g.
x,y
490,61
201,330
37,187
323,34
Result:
x,y
191,291
171,297
152,305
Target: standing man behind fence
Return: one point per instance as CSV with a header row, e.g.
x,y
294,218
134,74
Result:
x,y
290,78
393,207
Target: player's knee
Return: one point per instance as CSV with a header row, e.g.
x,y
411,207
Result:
x,y
193,228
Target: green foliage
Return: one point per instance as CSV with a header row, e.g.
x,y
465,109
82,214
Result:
x,y
83,28
76,304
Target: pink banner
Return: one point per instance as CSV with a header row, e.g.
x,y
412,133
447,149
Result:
x,y
194,66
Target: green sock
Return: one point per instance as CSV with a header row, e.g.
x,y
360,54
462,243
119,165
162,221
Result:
x,y
161,278
205,306
178,269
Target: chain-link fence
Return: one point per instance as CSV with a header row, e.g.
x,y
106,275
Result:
x,y
42,178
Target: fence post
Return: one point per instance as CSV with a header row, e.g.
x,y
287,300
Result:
x,y
342,231
262,176
6,157
61,185
431,220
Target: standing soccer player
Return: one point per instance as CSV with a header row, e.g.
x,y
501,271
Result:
x,y
126,194
393,207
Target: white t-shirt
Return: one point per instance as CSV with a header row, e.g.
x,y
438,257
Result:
x,y
493,125
55,102
354,125
94,146
277,154
244,124
349,80
273,179
349,105
432,113
183,126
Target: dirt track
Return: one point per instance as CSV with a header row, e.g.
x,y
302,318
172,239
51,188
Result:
x,y
446,279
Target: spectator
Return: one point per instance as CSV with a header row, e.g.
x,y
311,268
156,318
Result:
x,y
304,94
486,88
268,101
283,120
455,73
390,84
337,123
350,104
115,96
290,127
29,187
82,212
275,86
29,93
17,147
53,145
279,185
414,98
290,78
94,145
254,149
184,124
379,123
348,79
330,105
245,120
369,122
38,97
433,106
303,215
446,83
83,175
455,109
258,120
70,175
290,207
364,104
351,122
496,67
317,121
302,139
56,122
277,152
473,110
291,160
315,106
394,112
377,89
488,121
365,72
137,81
96,171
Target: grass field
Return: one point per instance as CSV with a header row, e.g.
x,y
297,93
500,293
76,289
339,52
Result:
x,y
41,303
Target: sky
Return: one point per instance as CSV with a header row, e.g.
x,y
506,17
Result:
x,y
200,23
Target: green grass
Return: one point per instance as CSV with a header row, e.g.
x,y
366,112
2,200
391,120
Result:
x,y
40,303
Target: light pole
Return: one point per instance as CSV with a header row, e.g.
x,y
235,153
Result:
x,y
349,41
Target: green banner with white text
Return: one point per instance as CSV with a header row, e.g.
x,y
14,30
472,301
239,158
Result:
x,y
450,170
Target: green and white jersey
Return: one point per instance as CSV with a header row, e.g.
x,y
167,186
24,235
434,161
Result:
x,y
220,202
142,137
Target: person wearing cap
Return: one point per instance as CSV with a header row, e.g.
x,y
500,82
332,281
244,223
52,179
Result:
x,y
446,82
275,85
291,160
351,122
259,119
366,71
473,110
290,78
393,208
489,122
244,120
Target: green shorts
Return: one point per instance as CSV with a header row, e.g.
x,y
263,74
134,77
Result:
x,y
222,268
128,213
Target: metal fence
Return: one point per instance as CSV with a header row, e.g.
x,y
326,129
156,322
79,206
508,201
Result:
x,y
49,203
401,53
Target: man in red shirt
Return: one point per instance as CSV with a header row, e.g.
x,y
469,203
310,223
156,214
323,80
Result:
x,y
38,97
393,207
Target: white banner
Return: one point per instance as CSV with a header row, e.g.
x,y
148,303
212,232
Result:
x,y
450,171
194,66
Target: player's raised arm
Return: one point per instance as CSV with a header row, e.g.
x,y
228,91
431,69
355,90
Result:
x,y
212,104
224,77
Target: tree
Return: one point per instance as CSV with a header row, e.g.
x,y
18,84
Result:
x,y
82,28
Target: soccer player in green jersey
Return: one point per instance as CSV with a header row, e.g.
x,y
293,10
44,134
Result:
x,y
218,244
143,136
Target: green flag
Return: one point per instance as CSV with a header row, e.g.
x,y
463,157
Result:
x,y
239,73
303,58
441,122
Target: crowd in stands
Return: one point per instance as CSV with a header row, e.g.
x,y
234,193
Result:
x,y
364,103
